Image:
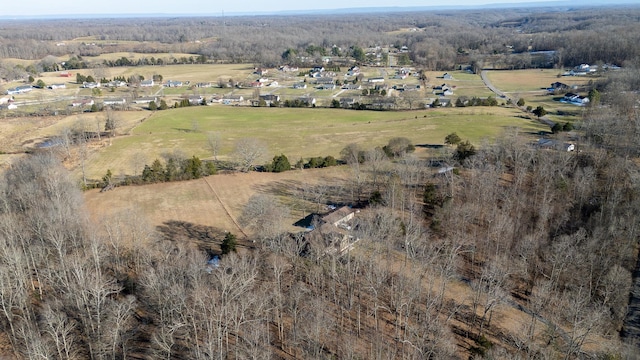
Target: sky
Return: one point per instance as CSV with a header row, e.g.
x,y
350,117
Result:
x,y
36,8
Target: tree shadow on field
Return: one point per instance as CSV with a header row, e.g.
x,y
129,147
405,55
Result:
x,y
185,130
207,238
281,188
326,190
430,146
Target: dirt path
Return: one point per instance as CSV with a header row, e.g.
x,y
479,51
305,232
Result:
x,y
224,206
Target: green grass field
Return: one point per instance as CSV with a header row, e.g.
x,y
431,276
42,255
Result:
x,y
297,132
305,132
531,84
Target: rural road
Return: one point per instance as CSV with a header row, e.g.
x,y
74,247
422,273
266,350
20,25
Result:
x,y
487,83
483,74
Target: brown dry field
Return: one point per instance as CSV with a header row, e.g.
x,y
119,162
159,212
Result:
x,y
19,134
215,201
518,82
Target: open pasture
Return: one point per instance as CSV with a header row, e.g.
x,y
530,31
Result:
x,y
297,133
531,86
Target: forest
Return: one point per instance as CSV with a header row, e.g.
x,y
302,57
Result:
x,y
553,234
436,40
514,252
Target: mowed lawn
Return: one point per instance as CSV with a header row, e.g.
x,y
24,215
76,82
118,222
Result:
x,y
297,133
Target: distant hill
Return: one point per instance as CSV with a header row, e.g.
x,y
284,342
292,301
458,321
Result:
x,y
355,10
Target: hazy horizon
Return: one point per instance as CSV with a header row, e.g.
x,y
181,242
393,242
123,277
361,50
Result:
x,y
71,8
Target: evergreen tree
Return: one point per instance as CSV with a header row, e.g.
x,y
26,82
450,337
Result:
x,y
192,168
280,163
228,244
106,179
594,97
452,139
539,111
210,168
329,161
464,150
147,174
157,171
171,170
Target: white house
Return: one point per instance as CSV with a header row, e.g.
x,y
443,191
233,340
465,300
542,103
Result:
x,y
353,71
171,83
10,106
147,83
19,90
227,99
145,100
90,85
57,86
310,101
82,102
575,99
115,101
195,99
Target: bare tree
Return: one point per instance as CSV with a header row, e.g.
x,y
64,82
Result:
x,y
214,141
60,329
376,160
265,216
248,151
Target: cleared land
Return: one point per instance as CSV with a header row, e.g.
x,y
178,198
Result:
x,y
531,85
297,133
196,202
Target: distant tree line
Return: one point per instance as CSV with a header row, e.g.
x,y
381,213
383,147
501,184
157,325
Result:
x,y
510,38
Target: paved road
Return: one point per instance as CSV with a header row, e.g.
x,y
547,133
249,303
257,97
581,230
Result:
x,y
483,74
487,83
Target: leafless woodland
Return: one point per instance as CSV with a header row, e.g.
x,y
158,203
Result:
x,y
551,236
436,40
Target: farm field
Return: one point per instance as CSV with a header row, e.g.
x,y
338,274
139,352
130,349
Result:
x,y
21,134
531,86
297,133
196,202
